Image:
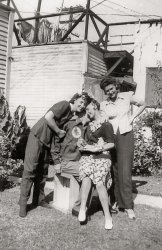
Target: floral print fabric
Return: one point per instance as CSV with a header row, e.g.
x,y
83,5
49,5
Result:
x,y
96,169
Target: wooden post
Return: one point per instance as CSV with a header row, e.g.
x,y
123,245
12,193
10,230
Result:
x,y
70,19
8,2
87,19
97,29
73,26
101,37
35,39
106,36
9,54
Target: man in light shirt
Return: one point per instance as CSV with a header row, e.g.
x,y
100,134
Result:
x,y
117,108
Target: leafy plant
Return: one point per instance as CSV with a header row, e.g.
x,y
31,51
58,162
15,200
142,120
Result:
x,y
13,137
148,150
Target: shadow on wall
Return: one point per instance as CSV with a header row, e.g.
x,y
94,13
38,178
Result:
x,y
92,86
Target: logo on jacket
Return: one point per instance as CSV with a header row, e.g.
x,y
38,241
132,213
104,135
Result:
x,y
76,132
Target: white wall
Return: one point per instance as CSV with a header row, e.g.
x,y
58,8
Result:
x,y
44,75
146,53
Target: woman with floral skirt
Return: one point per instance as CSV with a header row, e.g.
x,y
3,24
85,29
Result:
x,y
95,162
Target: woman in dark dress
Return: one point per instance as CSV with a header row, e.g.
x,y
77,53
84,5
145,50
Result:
x,y
95,162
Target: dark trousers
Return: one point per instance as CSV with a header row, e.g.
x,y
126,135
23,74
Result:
x,y
123,170
35,171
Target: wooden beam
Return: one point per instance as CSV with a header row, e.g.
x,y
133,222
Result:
x,y
114,66
119,44
9,54
106,36
16,34
118,54
8,2
16,9
101,37
98,18
115,54
49,15
73,26
135,22
87,20
125,23
67,21
35,39
97,29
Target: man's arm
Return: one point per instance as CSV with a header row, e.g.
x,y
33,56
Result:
x,y
50,118
56,150
140,104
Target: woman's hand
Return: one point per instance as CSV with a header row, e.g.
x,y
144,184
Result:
x,y
81,143
91,148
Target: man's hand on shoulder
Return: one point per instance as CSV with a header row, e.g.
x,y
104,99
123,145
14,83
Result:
x,y
61,133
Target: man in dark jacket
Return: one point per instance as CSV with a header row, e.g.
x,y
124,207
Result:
x,y
38,146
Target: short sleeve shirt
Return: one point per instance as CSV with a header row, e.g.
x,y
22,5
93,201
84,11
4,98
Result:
x,y
62,113
118,112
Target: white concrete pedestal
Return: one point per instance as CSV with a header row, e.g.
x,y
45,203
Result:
x,y
66,192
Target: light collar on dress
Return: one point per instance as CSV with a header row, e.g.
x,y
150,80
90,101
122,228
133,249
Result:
x,y
94,125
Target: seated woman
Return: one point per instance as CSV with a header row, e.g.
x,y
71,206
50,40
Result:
x,y
95,162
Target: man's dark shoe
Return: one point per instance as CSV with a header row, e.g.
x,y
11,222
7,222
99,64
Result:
x,y
23,211
45,205
113,210
75,210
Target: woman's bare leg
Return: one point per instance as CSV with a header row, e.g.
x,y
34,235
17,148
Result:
x,y
103,196
85,189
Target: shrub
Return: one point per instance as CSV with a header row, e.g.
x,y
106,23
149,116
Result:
x,y
13,137
148,146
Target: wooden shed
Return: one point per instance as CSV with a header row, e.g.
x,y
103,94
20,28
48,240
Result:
x,y
6,30
44,74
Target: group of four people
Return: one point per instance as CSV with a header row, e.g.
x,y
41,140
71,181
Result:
x,y
87,141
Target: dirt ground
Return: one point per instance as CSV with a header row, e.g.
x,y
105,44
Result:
x,y
147,185
52,230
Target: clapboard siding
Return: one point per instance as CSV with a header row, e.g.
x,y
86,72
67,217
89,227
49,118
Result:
x,y
4,22
44,75
6,30
96,63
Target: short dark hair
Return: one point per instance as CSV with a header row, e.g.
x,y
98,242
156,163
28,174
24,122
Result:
x,y
95,103
75,97
84,95
87,98
107,81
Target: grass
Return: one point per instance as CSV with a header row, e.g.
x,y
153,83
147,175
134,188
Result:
x,y
52,230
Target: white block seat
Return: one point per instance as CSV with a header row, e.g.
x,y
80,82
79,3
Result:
x,y
66,192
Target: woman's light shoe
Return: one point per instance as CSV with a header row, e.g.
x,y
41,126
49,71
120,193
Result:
x,y
130,213
82,215
108,224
